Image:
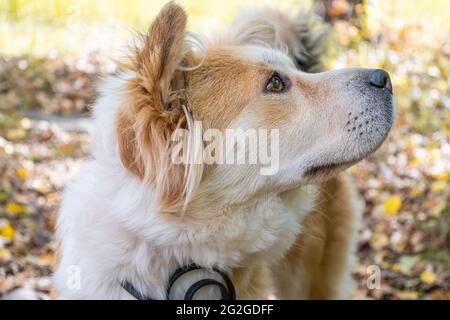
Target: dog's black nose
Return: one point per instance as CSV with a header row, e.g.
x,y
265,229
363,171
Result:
x,y
380,79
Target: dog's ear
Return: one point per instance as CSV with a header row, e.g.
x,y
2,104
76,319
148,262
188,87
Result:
x,y
153,111
161,53
300,36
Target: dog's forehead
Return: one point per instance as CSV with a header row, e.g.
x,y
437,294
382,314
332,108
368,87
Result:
x,y
271,57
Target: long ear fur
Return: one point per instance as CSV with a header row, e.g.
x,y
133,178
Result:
x,y
154,110
162,51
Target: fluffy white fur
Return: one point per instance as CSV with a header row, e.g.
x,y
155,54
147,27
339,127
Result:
x,y
110,221
112,231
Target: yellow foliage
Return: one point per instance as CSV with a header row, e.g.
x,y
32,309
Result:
x,y
438,186
7,231
443,176
22,173
407,295
392,205
13,207
428,277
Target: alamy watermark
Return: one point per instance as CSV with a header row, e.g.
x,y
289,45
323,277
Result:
x,y
374,277
73,277
232,146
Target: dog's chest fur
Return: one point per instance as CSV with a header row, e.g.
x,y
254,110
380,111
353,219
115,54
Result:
x,y
111,233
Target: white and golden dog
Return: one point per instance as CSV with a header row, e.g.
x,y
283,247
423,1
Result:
x,y
134,216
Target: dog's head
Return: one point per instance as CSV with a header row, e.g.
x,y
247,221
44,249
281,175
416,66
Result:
x,y
314,124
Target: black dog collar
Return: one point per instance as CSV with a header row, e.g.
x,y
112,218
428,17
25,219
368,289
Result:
x,y
228,291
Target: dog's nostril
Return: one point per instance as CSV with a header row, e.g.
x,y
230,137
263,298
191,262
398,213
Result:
x,y
380,79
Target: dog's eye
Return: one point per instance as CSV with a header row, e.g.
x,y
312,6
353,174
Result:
x,y
275,84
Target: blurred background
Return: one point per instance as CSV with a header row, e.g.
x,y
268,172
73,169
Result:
x,y
53,52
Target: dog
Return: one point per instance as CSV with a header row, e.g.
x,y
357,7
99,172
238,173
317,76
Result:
x,y
137,225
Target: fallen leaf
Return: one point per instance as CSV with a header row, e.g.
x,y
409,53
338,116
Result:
x,y
445,176
5,255
3,196
392,205
7,232
379,241
438,186
407,263
46,259
407,295
416,192
13,207
22,173
428,277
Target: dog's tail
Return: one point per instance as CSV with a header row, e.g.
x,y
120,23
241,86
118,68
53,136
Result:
x,y
302,36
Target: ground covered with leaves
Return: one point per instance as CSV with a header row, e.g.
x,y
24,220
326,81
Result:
x,y
44,140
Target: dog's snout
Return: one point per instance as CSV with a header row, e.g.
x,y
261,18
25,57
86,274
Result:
x,y
380,79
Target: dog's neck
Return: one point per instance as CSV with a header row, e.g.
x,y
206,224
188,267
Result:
x,y
236,246
224,285
153,264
